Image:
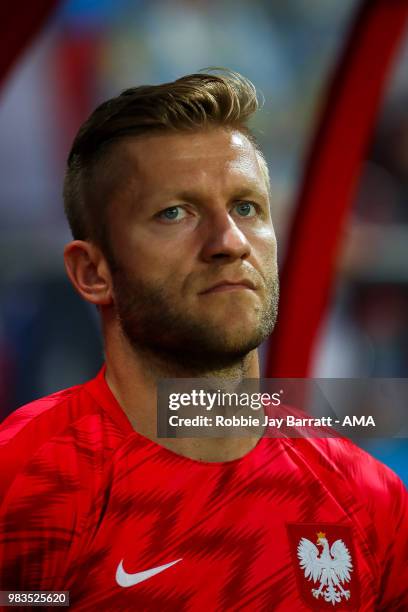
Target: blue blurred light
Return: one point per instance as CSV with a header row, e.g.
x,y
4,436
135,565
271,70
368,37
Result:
x,y
90,13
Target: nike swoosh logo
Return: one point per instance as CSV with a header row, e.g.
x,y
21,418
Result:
x,y
127,580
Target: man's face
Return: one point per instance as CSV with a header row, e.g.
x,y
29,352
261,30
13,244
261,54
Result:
x,y
195,272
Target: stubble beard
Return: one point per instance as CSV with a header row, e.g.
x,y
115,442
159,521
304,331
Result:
x,y
169,335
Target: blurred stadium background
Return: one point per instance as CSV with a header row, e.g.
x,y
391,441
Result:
x,y
90,50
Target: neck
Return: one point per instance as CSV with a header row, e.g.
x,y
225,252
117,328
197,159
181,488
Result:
x,y
132,377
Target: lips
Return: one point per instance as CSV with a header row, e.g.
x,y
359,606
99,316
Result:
x,y
228,285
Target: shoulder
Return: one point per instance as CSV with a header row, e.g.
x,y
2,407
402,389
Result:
x,y
358,466
359,482
44,412
372,491
58,452
67,426
50,448
371,480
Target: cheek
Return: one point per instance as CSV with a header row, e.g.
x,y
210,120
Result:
x,y
166,249
138,251
162,265
264,241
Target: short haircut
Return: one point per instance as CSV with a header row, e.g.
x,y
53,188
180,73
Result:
x,y
191,103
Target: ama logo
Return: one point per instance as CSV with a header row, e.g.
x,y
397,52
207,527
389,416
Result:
x,y
360,421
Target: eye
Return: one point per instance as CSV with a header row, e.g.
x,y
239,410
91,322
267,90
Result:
x,y
246,209
173,213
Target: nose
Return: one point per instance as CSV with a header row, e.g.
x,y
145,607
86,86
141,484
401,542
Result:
x,y
224,240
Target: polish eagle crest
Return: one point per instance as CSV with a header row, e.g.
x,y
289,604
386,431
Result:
x,y
331,567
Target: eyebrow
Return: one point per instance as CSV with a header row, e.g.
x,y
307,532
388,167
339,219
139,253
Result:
x,y
196,196
251,192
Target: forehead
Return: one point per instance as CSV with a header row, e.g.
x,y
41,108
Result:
x,y
174,161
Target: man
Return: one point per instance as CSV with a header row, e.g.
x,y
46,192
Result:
x,y
167,195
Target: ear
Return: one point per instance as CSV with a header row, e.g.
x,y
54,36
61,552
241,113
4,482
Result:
x,y
89,272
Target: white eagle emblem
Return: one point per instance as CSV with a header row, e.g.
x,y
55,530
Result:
x,y
332,568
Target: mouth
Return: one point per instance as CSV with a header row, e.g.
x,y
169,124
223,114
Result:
x,y
223,286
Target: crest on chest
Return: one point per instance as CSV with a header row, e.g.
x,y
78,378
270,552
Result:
x,y
325,564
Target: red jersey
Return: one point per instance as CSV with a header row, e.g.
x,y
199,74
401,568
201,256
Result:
x,y
89,506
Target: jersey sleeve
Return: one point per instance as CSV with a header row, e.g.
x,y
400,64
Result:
x,y
393,593
385,501
380,499
37,523
46,486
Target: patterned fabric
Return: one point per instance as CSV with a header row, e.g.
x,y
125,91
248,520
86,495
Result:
x,y
88,505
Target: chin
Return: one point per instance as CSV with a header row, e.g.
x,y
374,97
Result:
x,y
237,343
234,321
